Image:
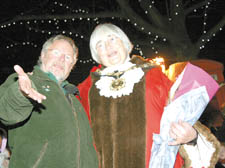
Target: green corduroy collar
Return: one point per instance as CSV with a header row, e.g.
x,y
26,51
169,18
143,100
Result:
x,y
52,77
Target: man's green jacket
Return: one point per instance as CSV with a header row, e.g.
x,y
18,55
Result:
x,y
53,134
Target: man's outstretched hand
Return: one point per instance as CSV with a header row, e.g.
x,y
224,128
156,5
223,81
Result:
x,y
25,85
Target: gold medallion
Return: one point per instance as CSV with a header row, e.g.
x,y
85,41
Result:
x,y
117,84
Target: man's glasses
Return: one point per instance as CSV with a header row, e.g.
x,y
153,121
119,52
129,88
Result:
x,y
58,53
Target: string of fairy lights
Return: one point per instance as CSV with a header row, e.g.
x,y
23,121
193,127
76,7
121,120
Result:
x,y
205,23
60,30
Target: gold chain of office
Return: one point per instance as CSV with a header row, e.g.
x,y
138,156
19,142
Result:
x,y
118,82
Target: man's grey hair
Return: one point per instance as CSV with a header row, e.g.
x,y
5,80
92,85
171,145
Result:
x,y
103,30
52,39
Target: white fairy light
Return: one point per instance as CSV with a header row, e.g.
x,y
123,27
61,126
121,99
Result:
x,y
95,20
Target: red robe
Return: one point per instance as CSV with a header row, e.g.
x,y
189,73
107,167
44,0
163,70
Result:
x,y
155,96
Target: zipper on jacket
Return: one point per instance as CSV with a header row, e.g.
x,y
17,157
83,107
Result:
x,y
78,128
41,155
70,101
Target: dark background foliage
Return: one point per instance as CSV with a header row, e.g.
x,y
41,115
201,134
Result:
x,y
177,30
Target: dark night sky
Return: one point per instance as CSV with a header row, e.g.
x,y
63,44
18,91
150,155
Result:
x,y
27,55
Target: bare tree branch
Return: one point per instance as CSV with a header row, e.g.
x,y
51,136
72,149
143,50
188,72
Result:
x,y
211,33
196,6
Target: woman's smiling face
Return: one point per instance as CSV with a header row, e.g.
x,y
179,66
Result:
x,y
111,50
